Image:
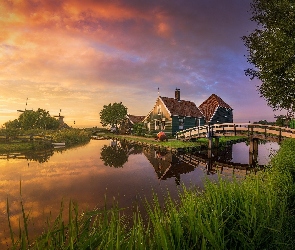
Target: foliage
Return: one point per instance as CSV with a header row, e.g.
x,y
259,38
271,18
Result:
x,y
271,50
16,140
138,129
30,119
282,121
292,124
113,114
71,136
264,122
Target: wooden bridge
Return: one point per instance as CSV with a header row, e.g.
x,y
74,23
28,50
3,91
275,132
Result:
x,y
259,131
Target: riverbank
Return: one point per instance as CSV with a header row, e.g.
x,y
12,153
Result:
x,y
174,144
20,140
256,213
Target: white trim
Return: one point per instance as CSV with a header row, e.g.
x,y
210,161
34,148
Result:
x,y
165,105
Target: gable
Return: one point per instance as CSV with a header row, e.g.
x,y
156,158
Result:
x,y
211,105
164,109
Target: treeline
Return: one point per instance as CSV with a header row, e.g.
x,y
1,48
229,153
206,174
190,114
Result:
x,y
30,119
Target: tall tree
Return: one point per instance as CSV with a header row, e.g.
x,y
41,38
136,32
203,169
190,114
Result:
x,y
271,50
113,114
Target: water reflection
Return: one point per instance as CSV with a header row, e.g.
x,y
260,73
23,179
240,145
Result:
x,y
83,174
117,153
38,156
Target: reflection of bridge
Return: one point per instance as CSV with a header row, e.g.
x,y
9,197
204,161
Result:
x,y
254,132
259,131
213,165
171,165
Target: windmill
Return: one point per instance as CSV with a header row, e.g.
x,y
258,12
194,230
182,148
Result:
x,y
22,111
60,118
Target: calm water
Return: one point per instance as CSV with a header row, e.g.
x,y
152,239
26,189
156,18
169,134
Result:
x,y
98,173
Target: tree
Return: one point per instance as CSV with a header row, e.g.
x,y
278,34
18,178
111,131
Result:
x,y
113,114
30,119
271,50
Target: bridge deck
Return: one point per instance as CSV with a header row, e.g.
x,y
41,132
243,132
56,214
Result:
x,y
234,129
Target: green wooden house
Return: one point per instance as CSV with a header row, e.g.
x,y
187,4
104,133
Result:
x,y
172,115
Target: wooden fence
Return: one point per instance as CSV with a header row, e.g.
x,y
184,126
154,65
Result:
x,y
236,129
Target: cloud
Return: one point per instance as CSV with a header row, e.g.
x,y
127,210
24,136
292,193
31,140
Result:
x,y
114,48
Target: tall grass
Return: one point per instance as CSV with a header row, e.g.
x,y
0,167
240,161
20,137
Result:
x,y
256,213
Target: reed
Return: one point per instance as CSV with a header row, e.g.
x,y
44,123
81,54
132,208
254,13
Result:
x,y
256,213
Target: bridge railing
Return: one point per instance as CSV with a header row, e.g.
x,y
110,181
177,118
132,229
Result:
x,y
231,129
199,131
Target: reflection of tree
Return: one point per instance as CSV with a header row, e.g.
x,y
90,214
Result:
x,y
39,156
114,156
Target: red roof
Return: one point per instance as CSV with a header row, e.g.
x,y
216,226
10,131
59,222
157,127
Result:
x,y
209,106
135,118
181,108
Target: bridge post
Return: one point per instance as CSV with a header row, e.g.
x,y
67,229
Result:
x,y
210,143
253,151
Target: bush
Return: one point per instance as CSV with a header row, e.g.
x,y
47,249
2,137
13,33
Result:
x,y
71,136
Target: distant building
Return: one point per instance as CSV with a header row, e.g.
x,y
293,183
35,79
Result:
x,y
129,121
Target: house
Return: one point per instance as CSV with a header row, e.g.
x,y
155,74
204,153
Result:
x,y
129,121
216,110
173,114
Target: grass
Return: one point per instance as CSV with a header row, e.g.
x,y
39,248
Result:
x,y
18,146
69,136
256,213
175,144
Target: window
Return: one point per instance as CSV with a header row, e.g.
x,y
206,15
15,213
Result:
x,y
181,123
159,109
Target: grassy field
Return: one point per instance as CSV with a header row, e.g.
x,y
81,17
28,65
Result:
x,y
256,213
175,144
19,140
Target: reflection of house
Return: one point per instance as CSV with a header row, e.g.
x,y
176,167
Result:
x,y
173,114
167,165
216,110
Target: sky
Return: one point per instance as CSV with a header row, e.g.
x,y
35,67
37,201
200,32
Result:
x,y
76,56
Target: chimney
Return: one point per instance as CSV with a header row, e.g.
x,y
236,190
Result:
x,y
177,94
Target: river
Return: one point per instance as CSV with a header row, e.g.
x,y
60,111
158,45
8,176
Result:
x,y
96,174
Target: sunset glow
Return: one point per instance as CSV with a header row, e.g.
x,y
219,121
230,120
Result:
x,y
80,55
